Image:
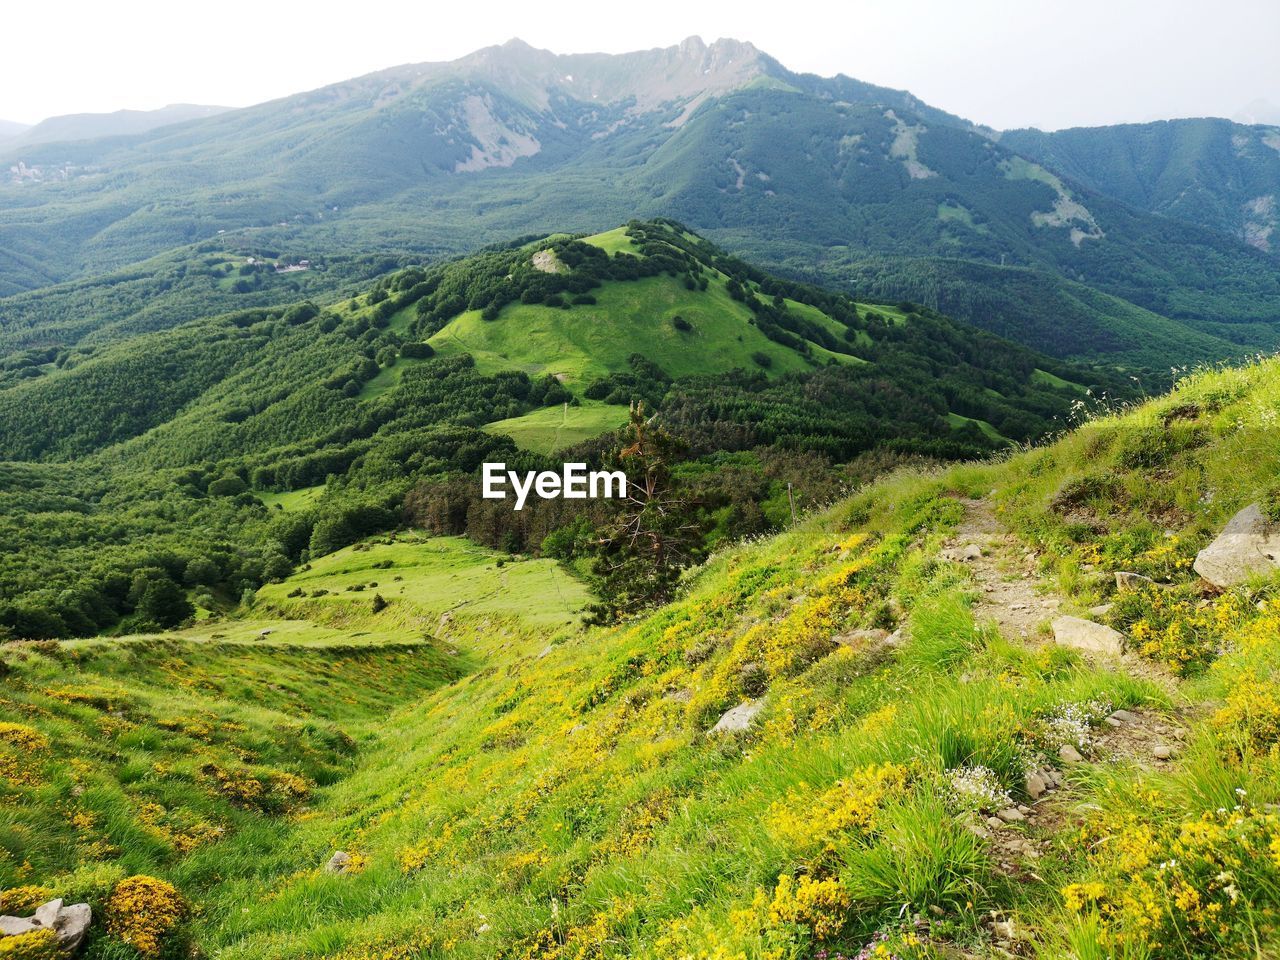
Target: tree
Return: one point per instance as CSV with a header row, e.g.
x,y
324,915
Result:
x,y
164,604
641,555
228,486
201,571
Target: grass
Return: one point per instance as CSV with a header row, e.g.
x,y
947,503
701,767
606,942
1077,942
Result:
x,y
558,795
956,420
1053,380
584,343
554,428
292,499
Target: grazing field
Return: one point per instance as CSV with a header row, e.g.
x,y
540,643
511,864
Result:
x,y
554,428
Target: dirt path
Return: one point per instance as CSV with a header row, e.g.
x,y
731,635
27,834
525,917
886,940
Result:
x,y
1019,602
1012,596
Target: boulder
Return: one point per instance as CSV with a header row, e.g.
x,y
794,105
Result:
x,y
1132,582
1069,754
1088,636
69,924
738,719
1035,785
338,863
1248,545
970,552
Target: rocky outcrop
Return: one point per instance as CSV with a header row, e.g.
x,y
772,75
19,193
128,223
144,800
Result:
x,y
1249,545
1087,636
69,924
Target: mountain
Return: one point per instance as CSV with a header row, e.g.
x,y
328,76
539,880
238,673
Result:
x,y
9,129
855,736
1260,111
1210,172
90,126
787,168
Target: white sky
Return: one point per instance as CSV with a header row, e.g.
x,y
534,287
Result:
x,y
1007,63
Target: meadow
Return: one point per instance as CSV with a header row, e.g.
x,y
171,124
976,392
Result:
x,y
561,793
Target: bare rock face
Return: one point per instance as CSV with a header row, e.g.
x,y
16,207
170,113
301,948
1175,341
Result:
x,y
1248,545
738,719
69,924
1087,636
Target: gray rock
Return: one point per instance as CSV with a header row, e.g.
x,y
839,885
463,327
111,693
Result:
x,y
861,638
338,863
17,926
1124,716
1132,582
1069,753
1088,636
970,552
1248,545
995,823
1036,787
1162,751
70,924
738,719
1010,815
1101,610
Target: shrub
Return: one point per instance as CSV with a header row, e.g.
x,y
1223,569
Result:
x,y
143,911
681,324
762,359
37,945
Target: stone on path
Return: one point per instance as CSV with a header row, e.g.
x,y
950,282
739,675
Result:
x,y
1087,636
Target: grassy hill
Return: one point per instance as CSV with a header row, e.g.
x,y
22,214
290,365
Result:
x,y
564,797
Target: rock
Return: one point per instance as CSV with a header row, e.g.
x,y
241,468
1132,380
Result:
x,y
737,719
1010,815
1023,809
1132,582
1036,787
338,863
1124,716
1112,722
1162,751
1101,610
678,696
1088,636
995,823
936,910
861,638
1070,754
1248,545
70,924
17,926
970,552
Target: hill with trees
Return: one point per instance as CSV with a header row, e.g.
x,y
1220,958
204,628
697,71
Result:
x,y
284,433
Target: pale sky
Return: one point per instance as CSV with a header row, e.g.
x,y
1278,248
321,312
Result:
x,y
1006,63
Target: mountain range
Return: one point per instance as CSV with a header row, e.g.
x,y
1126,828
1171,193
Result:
x,y
829,178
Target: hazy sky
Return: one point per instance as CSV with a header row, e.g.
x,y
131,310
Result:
x,y
1047,63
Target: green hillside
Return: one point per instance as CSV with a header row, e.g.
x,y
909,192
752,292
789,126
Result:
x,y
564,798
196,464
1207,171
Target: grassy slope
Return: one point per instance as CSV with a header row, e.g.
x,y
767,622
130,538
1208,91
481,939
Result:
x,y
554,428
565,801
587,342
